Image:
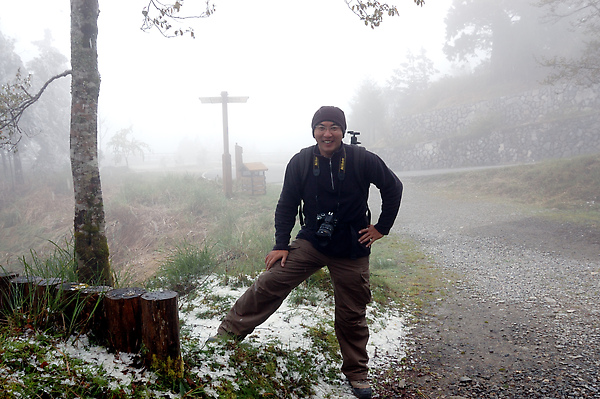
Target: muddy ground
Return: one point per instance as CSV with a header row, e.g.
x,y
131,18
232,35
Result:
x,y
521,317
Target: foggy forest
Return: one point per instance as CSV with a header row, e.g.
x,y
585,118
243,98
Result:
x,y
114,174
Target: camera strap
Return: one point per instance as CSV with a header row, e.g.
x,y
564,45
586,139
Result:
x,y
342,167
341,177
317,172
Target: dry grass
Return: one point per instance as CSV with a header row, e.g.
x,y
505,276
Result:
x,y
568,188
35,217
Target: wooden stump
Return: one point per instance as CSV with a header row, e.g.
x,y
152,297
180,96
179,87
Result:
x,y
68,297
160,332
22,291
45,291
123,319
5,296
93,311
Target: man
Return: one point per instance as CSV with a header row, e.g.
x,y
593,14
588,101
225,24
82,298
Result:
x,y
332,180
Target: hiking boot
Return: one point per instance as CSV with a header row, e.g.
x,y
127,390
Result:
x,y
224,337
214,338
361,389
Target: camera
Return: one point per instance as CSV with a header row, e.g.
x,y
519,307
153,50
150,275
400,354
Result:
x,y
326,223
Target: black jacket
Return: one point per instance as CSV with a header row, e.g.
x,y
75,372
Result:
x,y
342,195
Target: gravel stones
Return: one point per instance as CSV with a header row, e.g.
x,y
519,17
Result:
x,y
522,320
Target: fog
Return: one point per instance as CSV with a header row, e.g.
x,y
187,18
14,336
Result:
x,y
289,58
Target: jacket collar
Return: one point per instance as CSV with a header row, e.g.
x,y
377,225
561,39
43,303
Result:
x,y
336,154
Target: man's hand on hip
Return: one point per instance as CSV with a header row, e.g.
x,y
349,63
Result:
x,y
369,235
274,256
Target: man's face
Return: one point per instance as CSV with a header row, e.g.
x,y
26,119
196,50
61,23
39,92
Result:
x,y
329,137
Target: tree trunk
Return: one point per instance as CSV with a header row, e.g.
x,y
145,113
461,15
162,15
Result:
x,y
91,247
160,332
124,319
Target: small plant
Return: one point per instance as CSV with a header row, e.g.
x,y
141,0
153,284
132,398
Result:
x,y
316,289
218,306
185,269
323,338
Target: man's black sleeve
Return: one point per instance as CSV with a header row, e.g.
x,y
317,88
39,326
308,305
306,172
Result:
x,y
287,206
390,188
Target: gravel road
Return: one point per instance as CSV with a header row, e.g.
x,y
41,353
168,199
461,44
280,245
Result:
x,y
522,318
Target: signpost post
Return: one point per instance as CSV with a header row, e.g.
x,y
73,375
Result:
x,y
224,100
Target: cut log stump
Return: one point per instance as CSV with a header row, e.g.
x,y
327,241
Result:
x,y
124,319
92,313
68,297
5,296
22,291
45,291
160,332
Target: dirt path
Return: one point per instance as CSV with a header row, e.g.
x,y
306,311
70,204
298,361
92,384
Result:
x,y
522,318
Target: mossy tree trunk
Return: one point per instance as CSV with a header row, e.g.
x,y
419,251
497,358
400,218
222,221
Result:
x,y
91,247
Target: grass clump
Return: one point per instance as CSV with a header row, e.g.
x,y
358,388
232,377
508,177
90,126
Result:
x,y
402,275
185,269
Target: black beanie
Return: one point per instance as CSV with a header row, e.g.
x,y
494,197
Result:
x,y
331,114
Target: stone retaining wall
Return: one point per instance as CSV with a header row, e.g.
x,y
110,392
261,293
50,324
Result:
x,y
540,124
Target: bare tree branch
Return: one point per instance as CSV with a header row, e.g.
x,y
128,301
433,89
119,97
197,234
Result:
x,y
372,11
12,116
584,19
160,15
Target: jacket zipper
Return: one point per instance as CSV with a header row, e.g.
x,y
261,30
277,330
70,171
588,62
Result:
x,y
331,174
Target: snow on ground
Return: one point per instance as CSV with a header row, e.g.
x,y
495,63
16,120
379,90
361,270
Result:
x,y
388,330
288,325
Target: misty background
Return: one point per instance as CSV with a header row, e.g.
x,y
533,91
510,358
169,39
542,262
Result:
x,y
289,59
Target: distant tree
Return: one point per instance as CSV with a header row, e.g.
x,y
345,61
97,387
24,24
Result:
x,y
12,83
11,95
502,34
47,121
414,75
583,16
368,113
123,146
10,62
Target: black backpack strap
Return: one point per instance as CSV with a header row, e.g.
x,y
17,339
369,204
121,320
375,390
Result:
x,y
306,155
306,162
359,167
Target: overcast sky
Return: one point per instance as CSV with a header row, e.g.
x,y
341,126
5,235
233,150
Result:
x,y
288,57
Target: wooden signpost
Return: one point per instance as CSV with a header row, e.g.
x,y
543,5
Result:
x,y
224,100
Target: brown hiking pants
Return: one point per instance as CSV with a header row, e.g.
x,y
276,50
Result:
x,y
350,279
